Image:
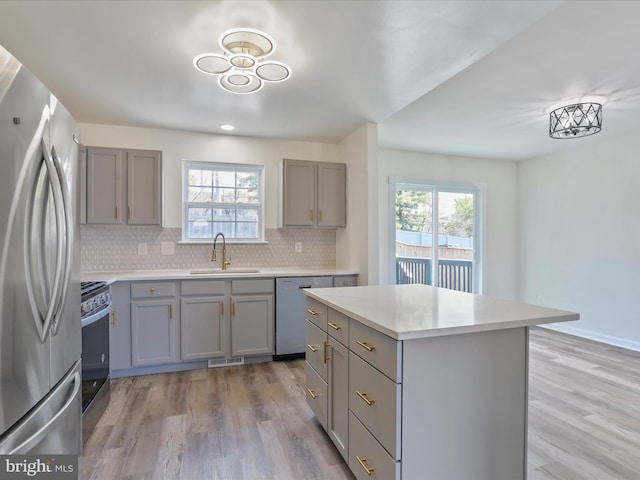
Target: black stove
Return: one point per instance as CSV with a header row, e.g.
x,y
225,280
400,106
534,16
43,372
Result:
x,y
95,310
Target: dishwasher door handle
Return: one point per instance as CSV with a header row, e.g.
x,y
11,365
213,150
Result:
x,y
304,286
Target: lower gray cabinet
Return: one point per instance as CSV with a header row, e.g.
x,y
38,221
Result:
x,y
154,332
204,328
252,327
338,395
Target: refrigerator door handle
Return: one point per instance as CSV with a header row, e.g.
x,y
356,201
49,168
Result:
x,y
34,439
66,237
44,308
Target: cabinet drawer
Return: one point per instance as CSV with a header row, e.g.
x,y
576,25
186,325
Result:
x,y
363,446
202,287
338,326
153,289
345,281
316,312
375,400
315,349
379,350
316,394
261,285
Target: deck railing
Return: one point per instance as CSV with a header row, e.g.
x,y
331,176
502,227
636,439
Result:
x,y
453,274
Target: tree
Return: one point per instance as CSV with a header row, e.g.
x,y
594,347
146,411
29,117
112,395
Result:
x,y
460,223
413,211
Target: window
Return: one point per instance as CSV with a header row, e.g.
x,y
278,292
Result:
x,y
222,197
436,235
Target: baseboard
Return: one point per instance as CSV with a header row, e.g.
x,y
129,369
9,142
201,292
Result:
x,y
595,336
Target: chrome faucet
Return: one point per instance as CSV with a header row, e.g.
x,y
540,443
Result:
x,y
225,260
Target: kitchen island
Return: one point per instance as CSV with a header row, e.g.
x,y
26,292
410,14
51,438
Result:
x,y
417,382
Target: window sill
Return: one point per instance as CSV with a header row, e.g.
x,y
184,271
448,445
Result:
x,y
208,241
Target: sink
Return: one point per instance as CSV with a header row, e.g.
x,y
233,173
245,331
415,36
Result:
x,y
218,271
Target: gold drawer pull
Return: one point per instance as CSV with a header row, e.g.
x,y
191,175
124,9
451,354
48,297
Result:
x,y
113,318
152,289
366,346
170,311
312,312
325,352
364,465
334,326
363,396
313,393
313,348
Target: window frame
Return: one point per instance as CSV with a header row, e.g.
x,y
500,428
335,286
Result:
x,y
435,187
227,167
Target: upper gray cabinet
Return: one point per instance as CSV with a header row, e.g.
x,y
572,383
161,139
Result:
x,y
124,187
313,194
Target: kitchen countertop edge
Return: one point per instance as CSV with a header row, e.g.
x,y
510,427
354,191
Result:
x,y
184,274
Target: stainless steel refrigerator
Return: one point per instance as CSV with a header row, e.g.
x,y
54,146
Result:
x,y
40,330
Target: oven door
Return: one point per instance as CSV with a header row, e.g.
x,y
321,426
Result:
x,y
95,354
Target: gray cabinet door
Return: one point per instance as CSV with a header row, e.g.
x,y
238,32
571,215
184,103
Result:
x,y
332,195
144,187
251,325
299,195
338,396
120,346
202,329
154,332
104,186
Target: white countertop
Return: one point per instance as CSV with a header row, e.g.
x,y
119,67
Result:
x,y
418,311
187,274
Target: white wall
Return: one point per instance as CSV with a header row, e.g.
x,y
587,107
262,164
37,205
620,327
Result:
x,y
178,145
498,180
356,245
580,237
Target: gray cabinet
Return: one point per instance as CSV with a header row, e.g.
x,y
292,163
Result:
x,y
313,194
252,327
327,367
338,394
120,341
123,187
203,327
154,324
345,280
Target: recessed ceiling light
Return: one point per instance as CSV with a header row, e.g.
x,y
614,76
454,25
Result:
x,y
227,126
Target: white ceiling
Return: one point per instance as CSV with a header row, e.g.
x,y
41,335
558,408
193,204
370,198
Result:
x,y
473,78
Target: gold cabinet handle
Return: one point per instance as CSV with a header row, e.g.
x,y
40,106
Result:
x,y
221,308
152,289
233,309
325,352
129,212
363,396
313,348
312,312
366,346
320,215
117,216
313,393
113,318
334,326
170,310
362,463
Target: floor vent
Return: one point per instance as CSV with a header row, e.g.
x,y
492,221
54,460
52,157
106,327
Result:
x,y
225,362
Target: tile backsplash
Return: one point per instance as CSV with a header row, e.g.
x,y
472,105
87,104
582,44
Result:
x,y
110,249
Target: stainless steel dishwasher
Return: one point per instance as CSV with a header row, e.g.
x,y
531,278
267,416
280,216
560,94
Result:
x,y
290,313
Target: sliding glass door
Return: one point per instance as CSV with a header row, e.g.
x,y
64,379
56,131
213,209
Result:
x,y
436,237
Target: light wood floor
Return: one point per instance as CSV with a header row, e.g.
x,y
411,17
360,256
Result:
x,y
251,422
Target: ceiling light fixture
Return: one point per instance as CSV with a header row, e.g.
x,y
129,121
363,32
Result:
x,y
227,126
576,120
242,67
